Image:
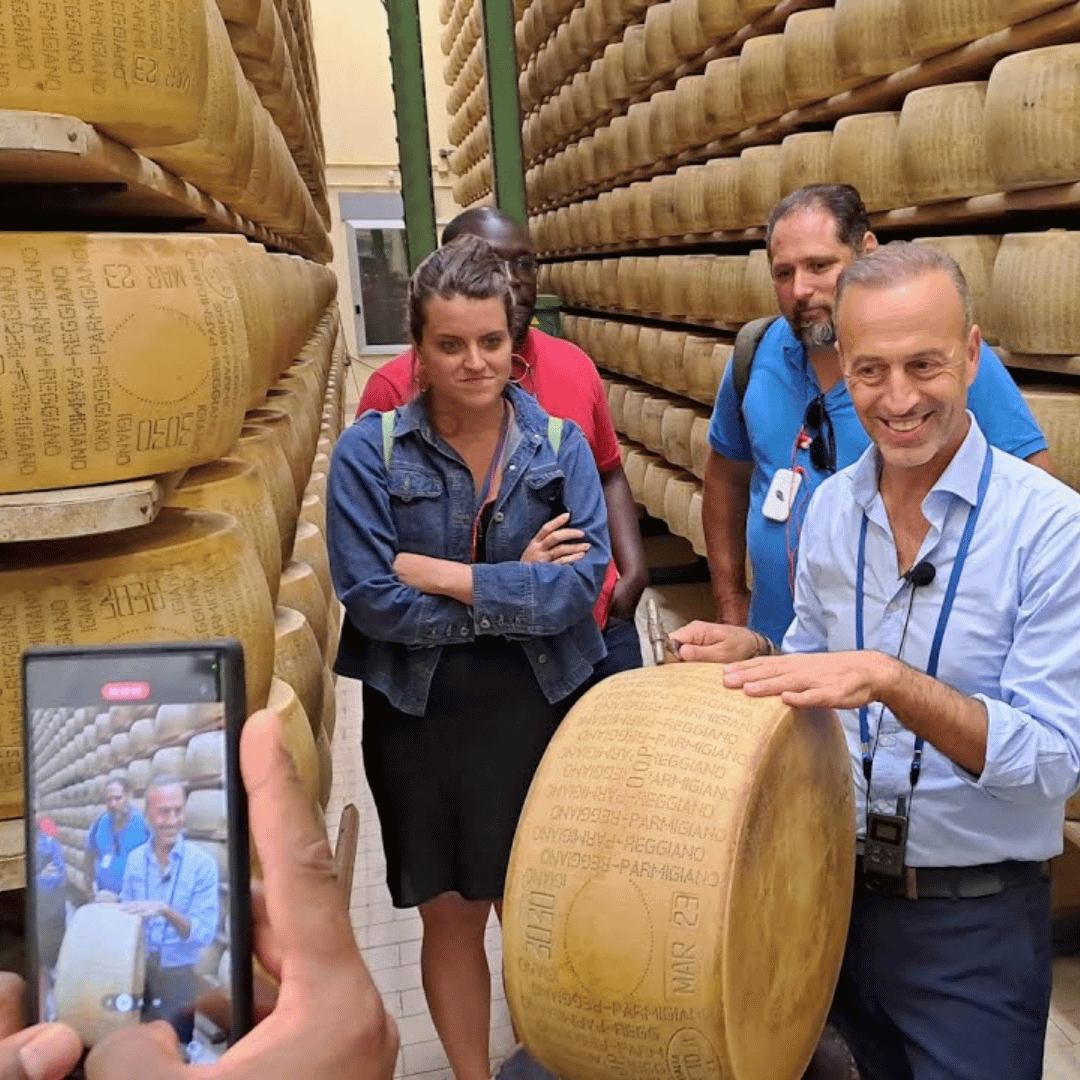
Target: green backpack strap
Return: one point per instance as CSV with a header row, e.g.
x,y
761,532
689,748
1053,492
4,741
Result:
x,y
555,427
747,341
388,435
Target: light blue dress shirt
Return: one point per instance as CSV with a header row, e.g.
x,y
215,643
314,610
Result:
x,y
189,886
1011,642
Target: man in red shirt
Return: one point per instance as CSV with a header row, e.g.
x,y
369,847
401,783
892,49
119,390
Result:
x,y
566,384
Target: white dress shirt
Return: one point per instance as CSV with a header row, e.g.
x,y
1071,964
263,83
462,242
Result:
x,y
1012,641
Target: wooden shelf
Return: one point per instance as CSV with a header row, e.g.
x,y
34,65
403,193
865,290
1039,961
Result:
x,y
60,165
968,62
1072,832
69,512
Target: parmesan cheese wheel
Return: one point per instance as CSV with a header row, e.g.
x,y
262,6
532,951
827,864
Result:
x,y
1057,412
688,196
297,659
660,54
258,446
1032,104
936,26
119,749
705,366
699,446
616,394
1014,11
652,419
284,429
758,295
677,501
639,133
677,423
636,465
657,477
942,150
310,547
805,158
329,713
176,723
975,256
810,66
298,734
96,403
234,486
101,65
761,78
663,134
725,284
326,768
141,738
632,406
865,152
187,576
697,525
204,758
674,293
300,590
101,971
138,775
759,183
1036,281
206,814
687,33
641,223
751,9
723,97
218,159
870,38
168,761
685,901
723,205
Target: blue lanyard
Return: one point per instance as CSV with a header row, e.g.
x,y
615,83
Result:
x,y
943,618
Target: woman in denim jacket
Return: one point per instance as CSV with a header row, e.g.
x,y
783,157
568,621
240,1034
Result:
x,y
469,616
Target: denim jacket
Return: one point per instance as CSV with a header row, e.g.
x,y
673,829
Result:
x,y
393,634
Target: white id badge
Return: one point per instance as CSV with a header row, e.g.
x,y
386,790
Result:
x,y
781,494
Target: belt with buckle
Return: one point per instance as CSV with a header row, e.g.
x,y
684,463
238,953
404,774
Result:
x,y
954,882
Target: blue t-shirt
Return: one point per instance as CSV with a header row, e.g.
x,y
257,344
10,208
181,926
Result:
x,y
782,383
111,849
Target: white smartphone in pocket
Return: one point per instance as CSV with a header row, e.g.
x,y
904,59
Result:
x,y
781,494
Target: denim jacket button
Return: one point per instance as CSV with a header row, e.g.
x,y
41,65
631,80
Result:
x,y
498,515
542,658
485,623
464,631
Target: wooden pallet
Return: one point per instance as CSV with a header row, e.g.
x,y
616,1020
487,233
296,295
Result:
x,y
69,512
59,167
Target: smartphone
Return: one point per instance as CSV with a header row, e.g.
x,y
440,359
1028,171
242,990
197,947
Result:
x,y
138,892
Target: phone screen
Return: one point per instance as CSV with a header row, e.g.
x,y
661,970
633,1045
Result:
x,y
137,842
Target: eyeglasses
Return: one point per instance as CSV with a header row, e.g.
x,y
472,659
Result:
x,y
523,264
818,426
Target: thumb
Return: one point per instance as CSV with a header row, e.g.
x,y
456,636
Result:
x,y
148,1051
43,1052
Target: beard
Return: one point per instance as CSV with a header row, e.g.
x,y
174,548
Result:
x,y
818,334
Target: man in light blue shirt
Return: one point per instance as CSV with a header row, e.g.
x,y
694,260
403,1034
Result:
x,y
174,885
948,965
796,413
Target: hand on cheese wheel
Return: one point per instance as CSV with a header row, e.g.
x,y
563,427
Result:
x,y
329,1022
715,643
41,1052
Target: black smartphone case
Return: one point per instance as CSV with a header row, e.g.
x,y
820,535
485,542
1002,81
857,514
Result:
x,y
234,698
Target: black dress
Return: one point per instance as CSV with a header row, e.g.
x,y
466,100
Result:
x,y
449,785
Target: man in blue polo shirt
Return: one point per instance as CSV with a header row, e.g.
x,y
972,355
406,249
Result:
x,y
796,424
111,839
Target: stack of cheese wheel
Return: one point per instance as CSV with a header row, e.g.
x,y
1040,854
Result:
x,y
683,902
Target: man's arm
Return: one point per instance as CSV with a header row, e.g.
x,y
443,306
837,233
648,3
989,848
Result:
x,y
725,504
88,869
1041,460
626,545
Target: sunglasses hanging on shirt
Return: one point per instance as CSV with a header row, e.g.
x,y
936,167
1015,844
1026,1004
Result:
x,y
818,426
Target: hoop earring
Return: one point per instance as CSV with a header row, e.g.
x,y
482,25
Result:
x,y
526,369
418,378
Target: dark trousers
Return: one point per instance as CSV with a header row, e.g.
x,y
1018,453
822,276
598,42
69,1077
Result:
x,y
947,989
170,995
623,649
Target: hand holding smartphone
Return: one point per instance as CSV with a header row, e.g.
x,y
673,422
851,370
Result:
x,y
138,889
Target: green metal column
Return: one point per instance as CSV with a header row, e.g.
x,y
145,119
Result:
x,y
504,109
410,108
